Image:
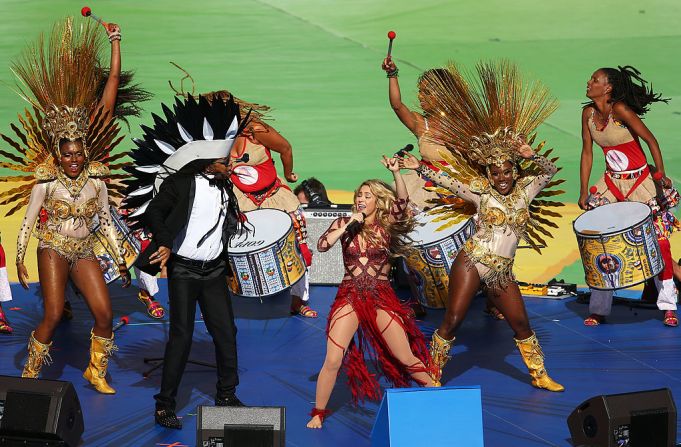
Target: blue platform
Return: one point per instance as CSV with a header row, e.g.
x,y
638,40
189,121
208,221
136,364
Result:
x,y
279,357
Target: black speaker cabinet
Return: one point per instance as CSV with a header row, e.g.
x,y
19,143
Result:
x,y
39,412
327,268
241,426
638,419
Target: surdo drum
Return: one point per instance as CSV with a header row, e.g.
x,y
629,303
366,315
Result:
x,y
265,258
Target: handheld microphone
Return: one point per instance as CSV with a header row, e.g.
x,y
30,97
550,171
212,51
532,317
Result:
x,y
122,322
407,148
243,159
354,226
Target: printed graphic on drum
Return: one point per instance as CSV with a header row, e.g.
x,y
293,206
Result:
x,y
618,245
129,244
265,257
433,255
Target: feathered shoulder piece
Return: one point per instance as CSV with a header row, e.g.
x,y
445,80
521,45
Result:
x,y
188,132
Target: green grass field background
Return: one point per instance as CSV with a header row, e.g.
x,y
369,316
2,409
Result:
x,y
317,63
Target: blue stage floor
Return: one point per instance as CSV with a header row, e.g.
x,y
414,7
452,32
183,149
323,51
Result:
x,y
279,357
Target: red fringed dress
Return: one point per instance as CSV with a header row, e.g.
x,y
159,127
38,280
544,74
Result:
x,y
366,288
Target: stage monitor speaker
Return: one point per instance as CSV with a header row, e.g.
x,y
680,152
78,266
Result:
x,y
39,412
447,416
638,419
327,268
241,426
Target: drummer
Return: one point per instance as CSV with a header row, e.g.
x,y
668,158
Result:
x,y
421,198
619,98
257,186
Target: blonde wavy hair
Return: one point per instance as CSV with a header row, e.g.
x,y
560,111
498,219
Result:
x,y
398,229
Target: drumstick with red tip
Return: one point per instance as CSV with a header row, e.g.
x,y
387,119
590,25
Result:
x,y
122,322
87,12
391,36
593,190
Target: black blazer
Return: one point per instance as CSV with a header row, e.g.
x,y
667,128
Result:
x,y
168,213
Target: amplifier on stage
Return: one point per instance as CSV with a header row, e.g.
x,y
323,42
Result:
x,y
327,268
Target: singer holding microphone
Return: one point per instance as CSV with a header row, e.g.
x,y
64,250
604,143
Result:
x,y
366,304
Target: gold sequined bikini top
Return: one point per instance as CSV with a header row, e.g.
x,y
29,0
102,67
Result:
x,y
498,218
510,215
65,210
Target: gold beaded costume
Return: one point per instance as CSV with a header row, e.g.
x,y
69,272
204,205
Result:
x,y
61,77
483,122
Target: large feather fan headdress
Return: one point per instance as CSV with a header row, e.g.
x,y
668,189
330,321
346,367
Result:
x,y
190,131
61,77
482,118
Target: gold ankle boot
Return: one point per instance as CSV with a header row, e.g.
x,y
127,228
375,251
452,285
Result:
x,y
534,360
100,350
439,351
38,354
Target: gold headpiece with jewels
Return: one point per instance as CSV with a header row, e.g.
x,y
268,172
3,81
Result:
x,y
66,123
497,148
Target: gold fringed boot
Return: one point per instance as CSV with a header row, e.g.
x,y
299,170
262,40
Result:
x,y
100,350
534,360
439,351
38,354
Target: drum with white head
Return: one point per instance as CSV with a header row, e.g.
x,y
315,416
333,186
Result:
x,y
127,242
436,246
618,245
265,257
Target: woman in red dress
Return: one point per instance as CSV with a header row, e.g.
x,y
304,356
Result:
x,y
366,303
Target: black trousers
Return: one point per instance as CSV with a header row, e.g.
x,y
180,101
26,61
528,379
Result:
x,y
188,284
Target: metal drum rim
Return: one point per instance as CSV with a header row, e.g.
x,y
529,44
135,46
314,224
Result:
x,y
612,233
468,222
266,247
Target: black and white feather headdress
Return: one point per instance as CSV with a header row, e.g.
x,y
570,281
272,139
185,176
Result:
x,y
191,131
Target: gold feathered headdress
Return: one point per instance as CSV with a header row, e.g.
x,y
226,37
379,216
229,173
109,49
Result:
x,y
482,119
61,78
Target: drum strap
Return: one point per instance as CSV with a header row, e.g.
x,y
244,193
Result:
x,y
615,190
259,197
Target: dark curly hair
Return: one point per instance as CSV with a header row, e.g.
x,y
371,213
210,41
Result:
x,y
630,88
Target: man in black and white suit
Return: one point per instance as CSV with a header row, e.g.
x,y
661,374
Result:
x,y
192,218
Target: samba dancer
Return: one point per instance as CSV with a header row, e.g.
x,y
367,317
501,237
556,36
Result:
x,y
421,194
63,76
366,304
488,147
191,236
612,118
